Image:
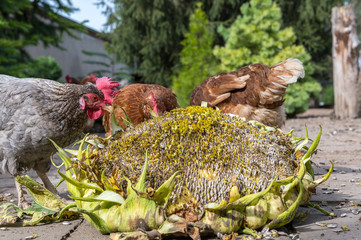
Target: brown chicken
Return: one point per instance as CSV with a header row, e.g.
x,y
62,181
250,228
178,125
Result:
x,y
138,100
254,92
91,78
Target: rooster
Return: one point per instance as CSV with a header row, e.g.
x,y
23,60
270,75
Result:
x,y
254,92
138,101
33,110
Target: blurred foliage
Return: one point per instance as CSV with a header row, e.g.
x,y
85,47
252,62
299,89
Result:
x,y
108,62
256,36
311,22
43,67
357,4
299,95
27,22
148,34
147,37
327,96
196,57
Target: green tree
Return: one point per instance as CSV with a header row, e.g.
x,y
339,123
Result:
x,y
43,67
148,34
147,37
29,22
196,57
257,36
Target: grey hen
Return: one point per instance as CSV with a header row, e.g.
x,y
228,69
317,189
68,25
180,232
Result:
x,y
33,110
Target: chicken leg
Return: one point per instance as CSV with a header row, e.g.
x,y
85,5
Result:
x,y
47,184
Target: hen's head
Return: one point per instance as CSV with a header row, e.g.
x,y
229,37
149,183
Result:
x,y
71,80
91,79
153,103
93,103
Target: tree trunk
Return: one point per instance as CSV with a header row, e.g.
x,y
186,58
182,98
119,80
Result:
x,y
345,54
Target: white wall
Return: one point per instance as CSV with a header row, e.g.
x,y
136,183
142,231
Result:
x,y
71,59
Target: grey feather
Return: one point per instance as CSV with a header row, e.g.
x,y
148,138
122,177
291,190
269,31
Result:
x,y
32,110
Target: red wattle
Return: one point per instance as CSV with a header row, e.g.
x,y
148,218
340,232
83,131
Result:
x,y
95,114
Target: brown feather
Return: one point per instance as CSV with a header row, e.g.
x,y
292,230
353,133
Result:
x,y
134,99
255,92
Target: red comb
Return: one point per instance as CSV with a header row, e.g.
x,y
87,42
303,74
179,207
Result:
x,y
93,78
67,77
155,105
106,86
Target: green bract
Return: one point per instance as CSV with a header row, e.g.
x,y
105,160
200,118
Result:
x,y
192,171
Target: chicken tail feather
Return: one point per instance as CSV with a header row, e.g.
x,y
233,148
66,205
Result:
x,y
288,71
282,75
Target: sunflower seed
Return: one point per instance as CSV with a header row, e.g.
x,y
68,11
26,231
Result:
x,y
29,237
66,223
264,230
268,237
355,211
295,236
343,214
327,192
320,224
280,233
338,230
332,225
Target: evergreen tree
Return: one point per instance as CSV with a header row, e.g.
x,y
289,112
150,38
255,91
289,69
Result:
x,y
257,36
196,57
27,22
148,34
147,37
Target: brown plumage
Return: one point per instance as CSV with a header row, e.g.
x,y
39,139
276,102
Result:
x,y
254,92
91,78
137,100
